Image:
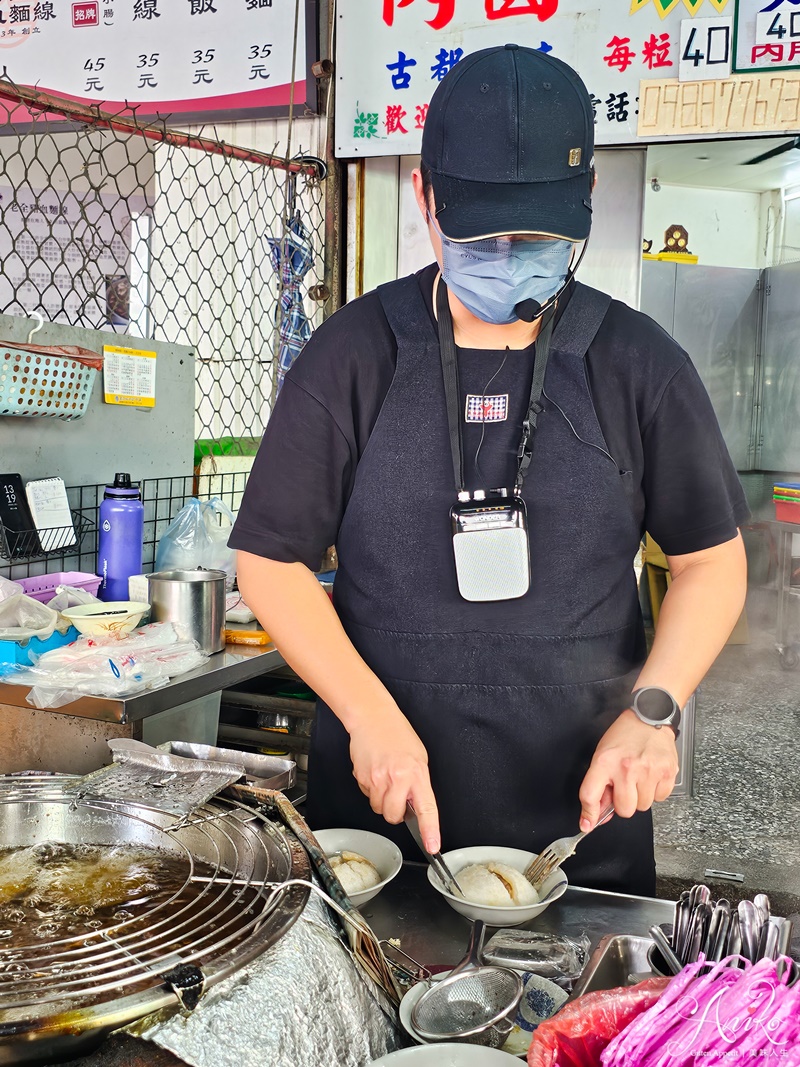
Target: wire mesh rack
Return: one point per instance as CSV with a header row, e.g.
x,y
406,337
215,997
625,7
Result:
x,y
162,498
210,904
112,222
33,545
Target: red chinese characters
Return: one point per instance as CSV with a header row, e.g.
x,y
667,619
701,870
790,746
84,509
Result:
x,y
444,14
621,54
394,119
86,14
502,9
775,53
495,9
655,51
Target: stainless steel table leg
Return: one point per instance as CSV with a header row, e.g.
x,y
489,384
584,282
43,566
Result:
x,y
786,651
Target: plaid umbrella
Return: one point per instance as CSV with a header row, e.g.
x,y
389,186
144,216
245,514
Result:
x,y
292,258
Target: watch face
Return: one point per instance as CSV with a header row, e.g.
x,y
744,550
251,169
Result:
x,y
655,704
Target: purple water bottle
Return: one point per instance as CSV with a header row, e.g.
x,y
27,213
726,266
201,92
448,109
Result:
x,y
119,550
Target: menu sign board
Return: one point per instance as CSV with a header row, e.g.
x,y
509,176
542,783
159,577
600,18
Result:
x,y
188,58
391,55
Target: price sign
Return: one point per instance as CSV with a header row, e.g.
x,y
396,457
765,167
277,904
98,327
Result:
x,y
706,49
778,33
780,26
392,54
187,58
767,35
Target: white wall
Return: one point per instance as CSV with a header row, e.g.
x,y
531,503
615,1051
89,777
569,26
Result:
x,y
724,226
790,251
771,227
613,259
396,243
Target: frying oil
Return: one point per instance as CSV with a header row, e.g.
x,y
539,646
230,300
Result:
x,y
53,891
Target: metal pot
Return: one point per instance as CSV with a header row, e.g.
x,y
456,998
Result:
x,y
59,998
194,601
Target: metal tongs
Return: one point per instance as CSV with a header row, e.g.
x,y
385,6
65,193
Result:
x,y
435,859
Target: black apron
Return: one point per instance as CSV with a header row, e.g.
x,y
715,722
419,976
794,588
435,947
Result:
x,y
509,697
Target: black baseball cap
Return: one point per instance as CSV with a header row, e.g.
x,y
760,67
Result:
x,y
509,142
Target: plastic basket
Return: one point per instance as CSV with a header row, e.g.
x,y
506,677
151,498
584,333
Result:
x,y
43,587
34,384
25,651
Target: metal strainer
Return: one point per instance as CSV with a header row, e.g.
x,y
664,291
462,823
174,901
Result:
x,y
475,1003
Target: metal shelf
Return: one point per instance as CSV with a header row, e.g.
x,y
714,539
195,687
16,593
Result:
x,y
236,663
269,702
25,546
253,735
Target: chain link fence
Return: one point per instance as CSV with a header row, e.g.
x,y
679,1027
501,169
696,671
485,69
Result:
x,y
109,222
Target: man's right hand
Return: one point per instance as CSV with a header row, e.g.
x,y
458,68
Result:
x,y
390,765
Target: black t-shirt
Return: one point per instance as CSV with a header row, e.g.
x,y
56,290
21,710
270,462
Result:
x,y
652,407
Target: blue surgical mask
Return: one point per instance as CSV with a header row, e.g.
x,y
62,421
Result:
x,y
491,277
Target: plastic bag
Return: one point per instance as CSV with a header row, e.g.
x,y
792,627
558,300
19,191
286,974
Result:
x,y
109,666
9,589
577,1035
69,597
559,958
198,537
22,617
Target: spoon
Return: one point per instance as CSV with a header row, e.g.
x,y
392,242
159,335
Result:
x,y
664,947
748,926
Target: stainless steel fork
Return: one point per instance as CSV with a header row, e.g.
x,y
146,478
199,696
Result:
x,y
554,855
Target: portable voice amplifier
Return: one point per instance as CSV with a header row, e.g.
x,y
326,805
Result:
x,y
490,544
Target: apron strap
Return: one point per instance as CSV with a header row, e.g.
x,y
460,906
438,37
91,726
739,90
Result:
x,y
582,318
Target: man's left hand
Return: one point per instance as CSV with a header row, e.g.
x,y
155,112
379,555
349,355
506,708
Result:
x,y
633,765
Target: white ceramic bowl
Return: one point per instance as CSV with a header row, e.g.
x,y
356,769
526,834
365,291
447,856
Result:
x,y
380,851
443,1054
113,617
554,887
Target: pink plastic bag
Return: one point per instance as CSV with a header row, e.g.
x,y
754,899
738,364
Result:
x,y
577,1035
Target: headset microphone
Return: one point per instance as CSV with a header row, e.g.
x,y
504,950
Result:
x,y
528,310
531,309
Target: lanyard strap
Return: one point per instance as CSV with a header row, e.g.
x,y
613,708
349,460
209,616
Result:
x,y
447,350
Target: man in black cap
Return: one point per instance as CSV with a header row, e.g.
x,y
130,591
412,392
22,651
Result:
x,y
486,442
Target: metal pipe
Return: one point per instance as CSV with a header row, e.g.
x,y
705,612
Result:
x,y
92,115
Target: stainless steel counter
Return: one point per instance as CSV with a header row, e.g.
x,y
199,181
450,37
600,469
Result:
x,y
235,664
433,934
74,739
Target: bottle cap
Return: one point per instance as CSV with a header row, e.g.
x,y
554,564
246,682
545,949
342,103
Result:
x,y
122,481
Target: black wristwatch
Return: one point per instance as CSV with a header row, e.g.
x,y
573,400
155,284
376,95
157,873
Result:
x,y
657,707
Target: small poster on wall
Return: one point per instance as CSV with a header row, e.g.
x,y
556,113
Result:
x,y
60,248
129,377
